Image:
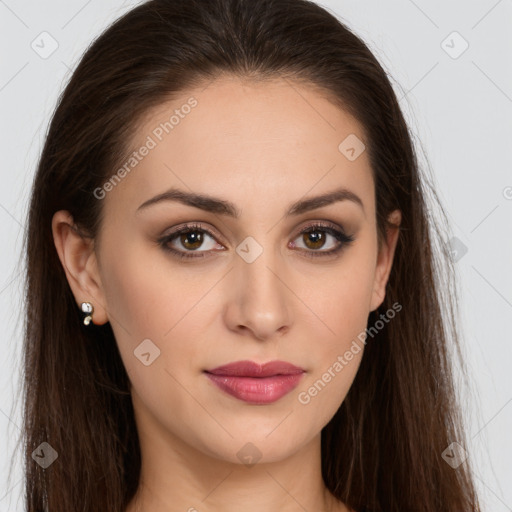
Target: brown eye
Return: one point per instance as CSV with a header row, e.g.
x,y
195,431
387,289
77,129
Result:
x,y
192,239
186,241
314,239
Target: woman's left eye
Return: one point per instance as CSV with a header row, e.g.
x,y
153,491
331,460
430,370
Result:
x,y
314,237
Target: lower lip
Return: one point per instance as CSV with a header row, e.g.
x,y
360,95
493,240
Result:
x,y
256,390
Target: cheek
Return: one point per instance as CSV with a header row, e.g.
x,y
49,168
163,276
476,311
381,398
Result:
x,y
341,298
342,302
159,303
132,293
335,360
145,294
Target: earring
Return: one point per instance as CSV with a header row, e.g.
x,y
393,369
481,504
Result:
x,y
88,309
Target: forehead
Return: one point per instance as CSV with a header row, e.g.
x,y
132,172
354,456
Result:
x,y
232,136
278,111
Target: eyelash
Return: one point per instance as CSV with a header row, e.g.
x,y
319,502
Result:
x,y
343,239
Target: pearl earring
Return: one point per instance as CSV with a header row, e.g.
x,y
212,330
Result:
x,y
88,309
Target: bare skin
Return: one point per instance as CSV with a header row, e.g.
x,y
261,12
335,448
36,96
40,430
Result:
x,y
262,147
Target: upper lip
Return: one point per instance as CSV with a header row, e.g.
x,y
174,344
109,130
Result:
x,y
252,369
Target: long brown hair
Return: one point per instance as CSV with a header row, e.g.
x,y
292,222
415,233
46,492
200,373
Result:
x,y
382,451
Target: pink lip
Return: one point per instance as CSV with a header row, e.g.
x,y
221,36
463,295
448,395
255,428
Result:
x,y
254,383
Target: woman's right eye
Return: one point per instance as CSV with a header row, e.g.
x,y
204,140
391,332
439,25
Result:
x,y
190,239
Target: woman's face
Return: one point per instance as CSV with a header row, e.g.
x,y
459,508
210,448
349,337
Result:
x,y
245,166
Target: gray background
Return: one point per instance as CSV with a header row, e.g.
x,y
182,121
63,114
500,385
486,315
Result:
x,y
459,107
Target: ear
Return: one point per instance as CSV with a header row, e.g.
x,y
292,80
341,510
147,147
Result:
x,y
385,260
77,256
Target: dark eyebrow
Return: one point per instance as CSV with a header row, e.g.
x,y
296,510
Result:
x,y
223,207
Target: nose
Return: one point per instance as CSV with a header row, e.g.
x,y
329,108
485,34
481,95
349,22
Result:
x,y
259,299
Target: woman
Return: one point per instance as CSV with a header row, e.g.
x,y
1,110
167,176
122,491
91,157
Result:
x,y
233,298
